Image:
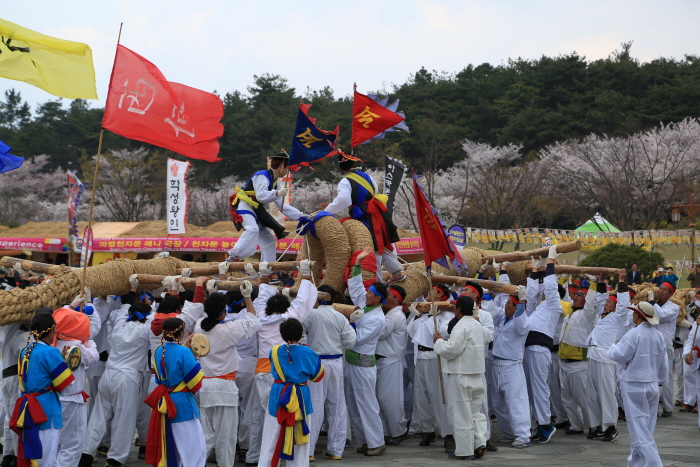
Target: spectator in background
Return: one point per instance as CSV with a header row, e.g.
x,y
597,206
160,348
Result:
x,y
694,277
671,277
659,270
634,275
658,278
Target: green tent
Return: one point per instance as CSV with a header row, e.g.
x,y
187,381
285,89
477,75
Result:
x,y
597,224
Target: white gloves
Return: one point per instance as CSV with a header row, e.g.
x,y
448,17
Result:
x,y
177,285
265,269
356,315
522,292
246,289
505,264
186,272
496,265
434,310
650,295
685,324
535,263
282,192
250,270
485,266
167,283
553,252
414,310
223,268
134,280
77,301
162,254
286,292
17,267
211,286
305,268
592,277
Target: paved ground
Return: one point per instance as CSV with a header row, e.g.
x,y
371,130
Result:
x,y
678,439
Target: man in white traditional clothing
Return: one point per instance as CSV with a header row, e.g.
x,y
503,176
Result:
x,y
465,366
358,193
691,356
218,398
510,400
329,334
667,311
390,352
429,409
248,211
540,340
361,382
272,308
573,365
602,371
643,361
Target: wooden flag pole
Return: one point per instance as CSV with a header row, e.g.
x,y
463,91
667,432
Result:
x,y
435,324
92,198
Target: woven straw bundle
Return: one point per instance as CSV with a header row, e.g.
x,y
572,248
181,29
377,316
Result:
x,y
112,278
359,239
331,247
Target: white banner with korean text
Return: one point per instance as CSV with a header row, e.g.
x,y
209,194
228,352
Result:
x,y
177,196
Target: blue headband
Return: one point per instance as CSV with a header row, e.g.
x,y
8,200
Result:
x,y
374,290
229,309
88,309
137,315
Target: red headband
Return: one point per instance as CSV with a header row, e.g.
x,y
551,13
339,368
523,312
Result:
x,y
396,294
613,298
474,289
442,292
514,300
670,286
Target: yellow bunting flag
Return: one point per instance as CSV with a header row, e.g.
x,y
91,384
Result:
x,y
62,68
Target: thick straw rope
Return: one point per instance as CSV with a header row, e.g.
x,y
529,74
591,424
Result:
x,y
359,239
18,305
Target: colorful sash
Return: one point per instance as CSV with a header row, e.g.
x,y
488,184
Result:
x,y
291,413
26,418
376,206
160,440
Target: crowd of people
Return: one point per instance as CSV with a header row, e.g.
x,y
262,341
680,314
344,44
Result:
x,y
256,375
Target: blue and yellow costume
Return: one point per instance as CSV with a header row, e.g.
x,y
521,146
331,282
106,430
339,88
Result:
x,y
42,374
179,377
290,398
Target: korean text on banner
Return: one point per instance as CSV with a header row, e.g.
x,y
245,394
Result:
x,y
177,196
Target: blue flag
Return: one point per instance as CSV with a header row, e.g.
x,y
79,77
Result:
x,y
8,161
310,143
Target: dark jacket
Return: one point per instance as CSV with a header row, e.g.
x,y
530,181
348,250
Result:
x,y
634,277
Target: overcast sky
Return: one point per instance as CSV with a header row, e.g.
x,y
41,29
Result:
x,y
220,44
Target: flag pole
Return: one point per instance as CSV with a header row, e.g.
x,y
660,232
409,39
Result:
x,y
354,89
435,324
88,229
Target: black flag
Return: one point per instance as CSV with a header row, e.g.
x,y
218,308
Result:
x,y
393,176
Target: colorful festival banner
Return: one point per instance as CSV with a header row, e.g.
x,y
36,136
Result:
x,y
33,244
393,177
177,196
75,190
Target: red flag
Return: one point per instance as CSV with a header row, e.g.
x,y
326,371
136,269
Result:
x,y
436,241
144,106
369,118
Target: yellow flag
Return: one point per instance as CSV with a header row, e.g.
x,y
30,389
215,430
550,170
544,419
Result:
x,y
62,68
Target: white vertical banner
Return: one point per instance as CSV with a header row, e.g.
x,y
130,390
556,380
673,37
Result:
x,y
177,196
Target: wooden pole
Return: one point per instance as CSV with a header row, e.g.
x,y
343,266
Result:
x,y
345,310
424,307
240,267
35,266
580,270
88,230
538,252
437,330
